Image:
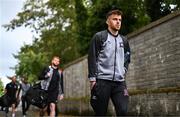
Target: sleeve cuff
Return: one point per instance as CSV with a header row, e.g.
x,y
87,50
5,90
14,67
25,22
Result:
x,y
92,78
125,69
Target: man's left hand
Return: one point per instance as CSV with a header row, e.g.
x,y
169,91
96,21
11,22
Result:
x,y
60,97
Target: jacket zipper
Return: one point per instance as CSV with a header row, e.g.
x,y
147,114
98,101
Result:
x,y
115,59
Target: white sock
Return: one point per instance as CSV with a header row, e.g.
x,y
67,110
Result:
x,y
13,115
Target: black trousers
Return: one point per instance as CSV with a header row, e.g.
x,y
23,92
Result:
x,y
25,104
103,91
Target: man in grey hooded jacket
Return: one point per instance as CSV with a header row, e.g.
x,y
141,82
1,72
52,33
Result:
x,y
108,60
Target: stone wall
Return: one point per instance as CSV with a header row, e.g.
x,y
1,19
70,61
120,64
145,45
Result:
x,y
75,79
153,78
156,55
160,104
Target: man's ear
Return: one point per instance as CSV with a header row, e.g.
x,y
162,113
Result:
x,y
107,21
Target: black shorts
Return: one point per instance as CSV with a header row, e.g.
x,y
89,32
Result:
x,y
52,97
13,100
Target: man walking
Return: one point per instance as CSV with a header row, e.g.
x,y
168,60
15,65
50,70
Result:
x,y
108,60
11,91
52,82
24,87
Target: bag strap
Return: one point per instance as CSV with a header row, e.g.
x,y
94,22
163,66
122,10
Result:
x,y
45,83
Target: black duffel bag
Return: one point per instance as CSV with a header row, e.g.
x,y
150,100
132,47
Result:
x,y
5,101
37,96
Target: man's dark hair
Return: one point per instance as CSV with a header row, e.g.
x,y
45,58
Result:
x,y
115,12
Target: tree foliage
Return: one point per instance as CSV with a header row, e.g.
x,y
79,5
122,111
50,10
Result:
x,y
53,21
133,18
1,88
31,64
65,27
159,8
81,26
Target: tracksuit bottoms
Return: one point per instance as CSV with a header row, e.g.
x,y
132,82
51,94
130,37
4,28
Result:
x,y
106,89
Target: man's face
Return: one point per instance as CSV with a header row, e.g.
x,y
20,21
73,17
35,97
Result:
x,y
55,61
114,22
25,80
13,79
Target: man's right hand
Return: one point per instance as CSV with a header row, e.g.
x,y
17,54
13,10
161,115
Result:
x,y
92,83
48,74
